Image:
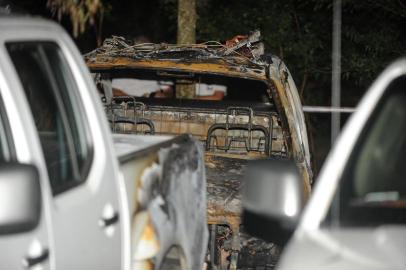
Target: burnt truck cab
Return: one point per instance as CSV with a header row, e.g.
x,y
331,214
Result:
x,y
258,114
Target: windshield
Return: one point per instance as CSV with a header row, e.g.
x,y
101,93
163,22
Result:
x,y
373,190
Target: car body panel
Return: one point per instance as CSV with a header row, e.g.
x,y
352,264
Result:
x,y
332,246
359,248
93,225
82,206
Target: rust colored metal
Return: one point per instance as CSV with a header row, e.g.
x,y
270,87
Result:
x,y
219,67
235,40
145,243
144,265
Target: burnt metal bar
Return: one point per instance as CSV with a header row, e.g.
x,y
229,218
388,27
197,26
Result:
x,y
322,109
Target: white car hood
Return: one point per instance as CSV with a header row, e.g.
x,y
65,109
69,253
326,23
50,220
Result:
x,y
346,249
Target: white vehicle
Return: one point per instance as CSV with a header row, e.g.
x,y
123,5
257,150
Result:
x,y
356,217
72,195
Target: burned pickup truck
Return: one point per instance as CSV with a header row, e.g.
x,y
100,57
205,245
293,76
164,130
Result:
x,y
238,102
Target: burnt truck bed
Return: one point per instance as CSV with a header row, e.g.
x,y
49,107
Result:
x,y
231,135
224,176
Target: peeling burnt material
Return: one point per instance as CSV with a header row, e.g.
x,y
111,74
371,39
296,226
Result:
x,y
178,209
117,52
184,157
257,253
167,181
224,176
119,47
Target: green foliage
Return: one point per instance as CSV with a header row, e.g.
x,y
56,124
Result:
x,y
289,29
372,38
300,33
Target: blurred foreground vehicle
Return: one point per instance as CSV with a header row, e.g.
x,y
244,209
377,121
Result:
x,y
356,218
72,196
238,102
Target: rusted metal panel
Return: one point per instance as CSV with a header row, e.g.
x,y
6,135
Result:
x,y
117,53
292,116
224,176
175,121
219,67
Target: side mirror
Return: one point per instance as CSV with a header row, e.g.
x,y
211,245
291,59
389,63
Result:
x,y
20,198
272,199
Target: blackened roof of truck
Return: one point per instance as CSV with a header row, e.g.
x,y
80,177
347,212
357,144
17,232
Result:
x,y
212,50
210,57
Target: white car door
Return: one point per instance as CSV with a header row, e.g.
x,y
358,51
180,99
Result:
x,y
85,207
20,248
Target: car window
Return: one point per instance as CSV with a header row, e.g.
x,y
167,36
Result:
x,y
50,90
6,146
374,182
155,84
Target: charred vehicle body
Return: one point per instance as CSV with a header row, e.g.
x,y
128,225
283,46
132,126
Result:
x,y
240,104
